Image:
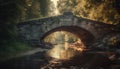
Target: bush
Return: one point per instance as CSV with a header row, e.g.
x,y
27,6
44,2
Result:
x,y
12,48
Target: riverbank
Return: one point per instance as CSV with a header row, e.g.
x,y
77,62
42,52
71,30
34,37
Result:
x,y
28,52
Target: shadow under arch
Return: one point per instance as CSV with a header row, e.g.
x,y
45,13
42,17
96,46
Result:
x,y
86,37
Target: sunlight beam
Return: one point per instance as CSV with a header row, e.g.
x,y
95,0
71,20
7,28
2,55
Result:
x,y
56,11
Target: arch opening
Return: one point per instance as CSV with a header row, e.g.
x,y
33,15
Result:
x,y
67,41
65,45
86,37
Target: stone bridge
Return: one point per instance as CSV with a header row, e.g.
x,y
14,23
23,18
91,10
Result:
x,y
33,32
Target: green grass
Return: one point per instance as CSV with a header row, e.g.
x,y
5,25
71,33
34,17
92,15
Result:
x,y
13,48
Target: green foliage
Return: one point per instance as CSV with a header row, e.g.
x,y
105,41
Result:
x,y
71,40
44,6
10,14
106,11
13,48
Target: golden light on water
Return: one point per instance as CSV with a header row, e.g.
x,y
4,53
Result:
x,y
65,45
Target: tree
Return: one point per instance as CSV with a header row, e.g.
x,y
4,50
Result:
x,y
9,14
99,10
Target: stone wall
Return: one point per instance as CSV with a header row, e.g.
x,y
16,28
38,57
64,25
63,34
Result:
x,y
31,32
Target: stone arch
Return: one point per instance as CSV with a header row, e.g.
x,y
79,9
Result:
x,y
86,37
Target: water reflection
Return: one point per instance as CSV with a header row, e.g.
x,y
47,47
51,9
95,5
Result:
x,y
65,45
60,52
